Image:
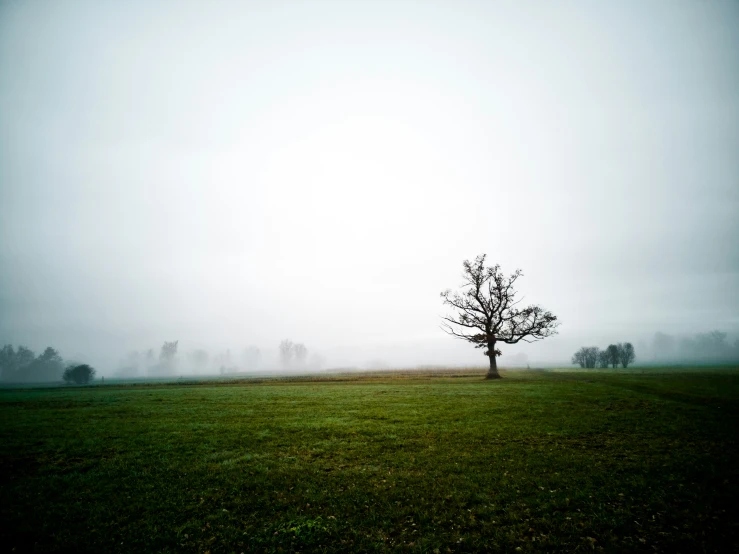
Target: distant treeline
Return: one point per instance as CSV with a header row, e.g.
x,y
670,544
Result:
x,y
712,347
614,355
170,362
21,365
164,365
701,348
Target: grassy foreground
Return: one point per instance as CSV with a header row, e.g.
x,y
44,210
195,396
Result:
x,y
539,461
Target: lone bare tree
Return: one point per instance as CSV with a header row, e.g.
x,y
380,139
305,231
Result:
x,y
300,352
487,312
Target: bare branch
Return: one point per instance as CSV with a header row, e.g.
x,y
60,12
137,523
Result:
x,y
462,323
487,302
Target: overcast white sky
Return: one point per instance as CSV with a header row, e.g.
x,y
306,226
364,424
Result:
x,y
236,173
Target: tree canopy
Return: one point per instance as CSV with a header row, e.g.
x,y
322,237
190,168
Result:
x,y
487,312
592,356
79,375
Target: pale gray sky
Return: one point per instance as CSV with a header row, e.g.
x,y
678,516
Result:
x,y
236,173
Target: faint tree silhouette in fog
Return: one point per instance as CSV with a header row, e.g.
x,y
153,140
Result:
x,y
286,352
626,353
604,359
587,357
710,347
487,312
24,356
49,366
9,362
169,351
301,352
78,375
168,356
705,347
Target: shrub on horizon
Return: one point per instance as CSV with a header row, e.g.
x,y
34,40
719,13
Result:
x,y
79,375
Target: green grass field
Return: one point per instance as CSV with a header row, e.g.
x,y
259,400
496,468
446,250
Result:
x,y
539,461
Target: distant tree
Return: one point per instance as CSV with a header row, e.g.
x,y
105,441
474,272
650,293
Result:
x,y
301,352
47,366
19,365
626,354
604,359
487,312
613,355
22,365
168,356
169,351
7,362
50,354
716,339
286,352
711,346
79,374
587,357
579,358
591,356
24,356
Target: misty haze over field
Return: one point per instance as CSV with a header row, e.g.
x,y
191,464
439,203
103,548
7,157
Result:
x,y
229,175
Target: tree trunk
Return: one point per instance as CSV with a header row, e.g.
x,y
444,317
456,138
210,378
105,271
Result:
x,y
493,371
